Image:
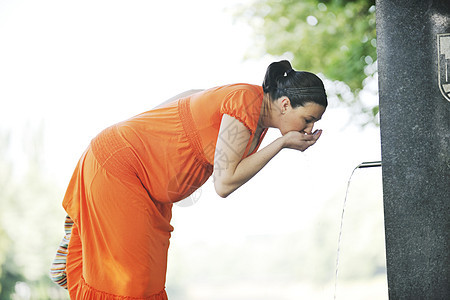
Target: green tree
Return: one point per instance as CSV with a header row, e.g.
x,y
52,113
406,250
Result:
x,y
9,274
31,221
334,37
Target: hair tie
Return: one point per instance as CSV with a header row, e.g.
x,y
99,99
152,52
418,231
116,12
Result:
x,y
289,71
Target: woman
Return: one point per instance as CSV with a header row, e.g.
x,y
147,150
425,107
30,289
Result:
x,y
120,197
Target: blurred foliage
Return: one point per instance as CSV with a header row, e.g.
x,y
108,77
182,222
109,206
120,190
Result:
x,y
31,221
8,270
334,37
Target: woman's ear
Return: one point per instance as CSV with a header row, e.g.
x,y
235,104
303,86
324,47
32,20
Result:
x,y
285,104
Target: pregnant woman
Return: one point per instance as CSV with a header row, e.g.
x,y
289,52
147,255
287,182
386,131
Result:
x,y
120,198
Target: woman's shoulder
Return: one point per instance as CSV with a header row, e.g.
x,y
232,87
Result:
x,y
243,93
229,88
243,102
244,87
237,93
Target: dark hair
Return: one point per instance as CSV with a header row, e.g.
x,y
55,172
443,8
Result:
x,y
299,86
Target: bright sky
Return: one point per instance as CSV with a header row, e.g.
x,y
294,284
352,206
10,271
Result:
x,y
80,66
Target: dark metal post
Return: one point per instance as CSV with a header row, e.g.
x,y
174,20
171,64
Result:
x,y
413,42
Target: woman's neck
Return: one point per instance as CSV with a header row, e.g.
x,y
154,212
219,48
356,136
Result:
x,y
265,113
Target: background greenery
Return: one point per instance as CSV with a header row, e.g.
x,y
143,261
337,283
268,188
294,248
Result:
x,y
335,38
28,221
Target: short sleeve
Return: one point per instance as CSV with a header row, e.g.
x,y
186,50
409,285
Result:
x,y
244,105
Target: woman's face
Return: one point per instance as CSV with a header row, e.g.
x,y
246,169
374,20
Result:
x,y
300,119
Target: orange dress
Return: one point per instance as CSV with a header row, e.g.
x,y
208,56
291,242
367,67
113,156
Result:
x,y
121,193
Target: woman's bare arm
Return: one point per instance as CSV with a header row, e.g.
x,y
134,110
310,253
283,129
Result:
x,y
181,95
230,170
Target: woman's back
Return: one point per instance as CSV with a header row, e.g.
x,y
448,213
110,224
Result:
x,y
177,141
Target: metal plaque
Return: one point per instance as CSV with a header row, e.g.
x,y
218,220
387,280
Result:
x,y
443,41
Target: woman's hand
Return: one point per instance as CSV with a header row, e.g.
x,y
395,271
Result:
x,y
232,169
300,141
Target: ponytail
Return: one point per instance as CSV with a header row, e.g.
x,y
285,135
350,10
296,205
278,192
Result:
x,y
299,86
275,71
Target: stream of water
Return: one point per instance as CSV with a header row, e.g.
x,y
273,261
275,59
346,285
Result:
x,y
362,165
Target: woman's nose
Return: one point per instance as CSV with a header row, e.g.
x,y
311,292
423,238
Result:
x,y
309,128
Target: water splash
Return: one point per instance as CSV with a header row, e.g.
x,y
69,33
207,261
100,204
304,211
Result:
x,y
360,166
